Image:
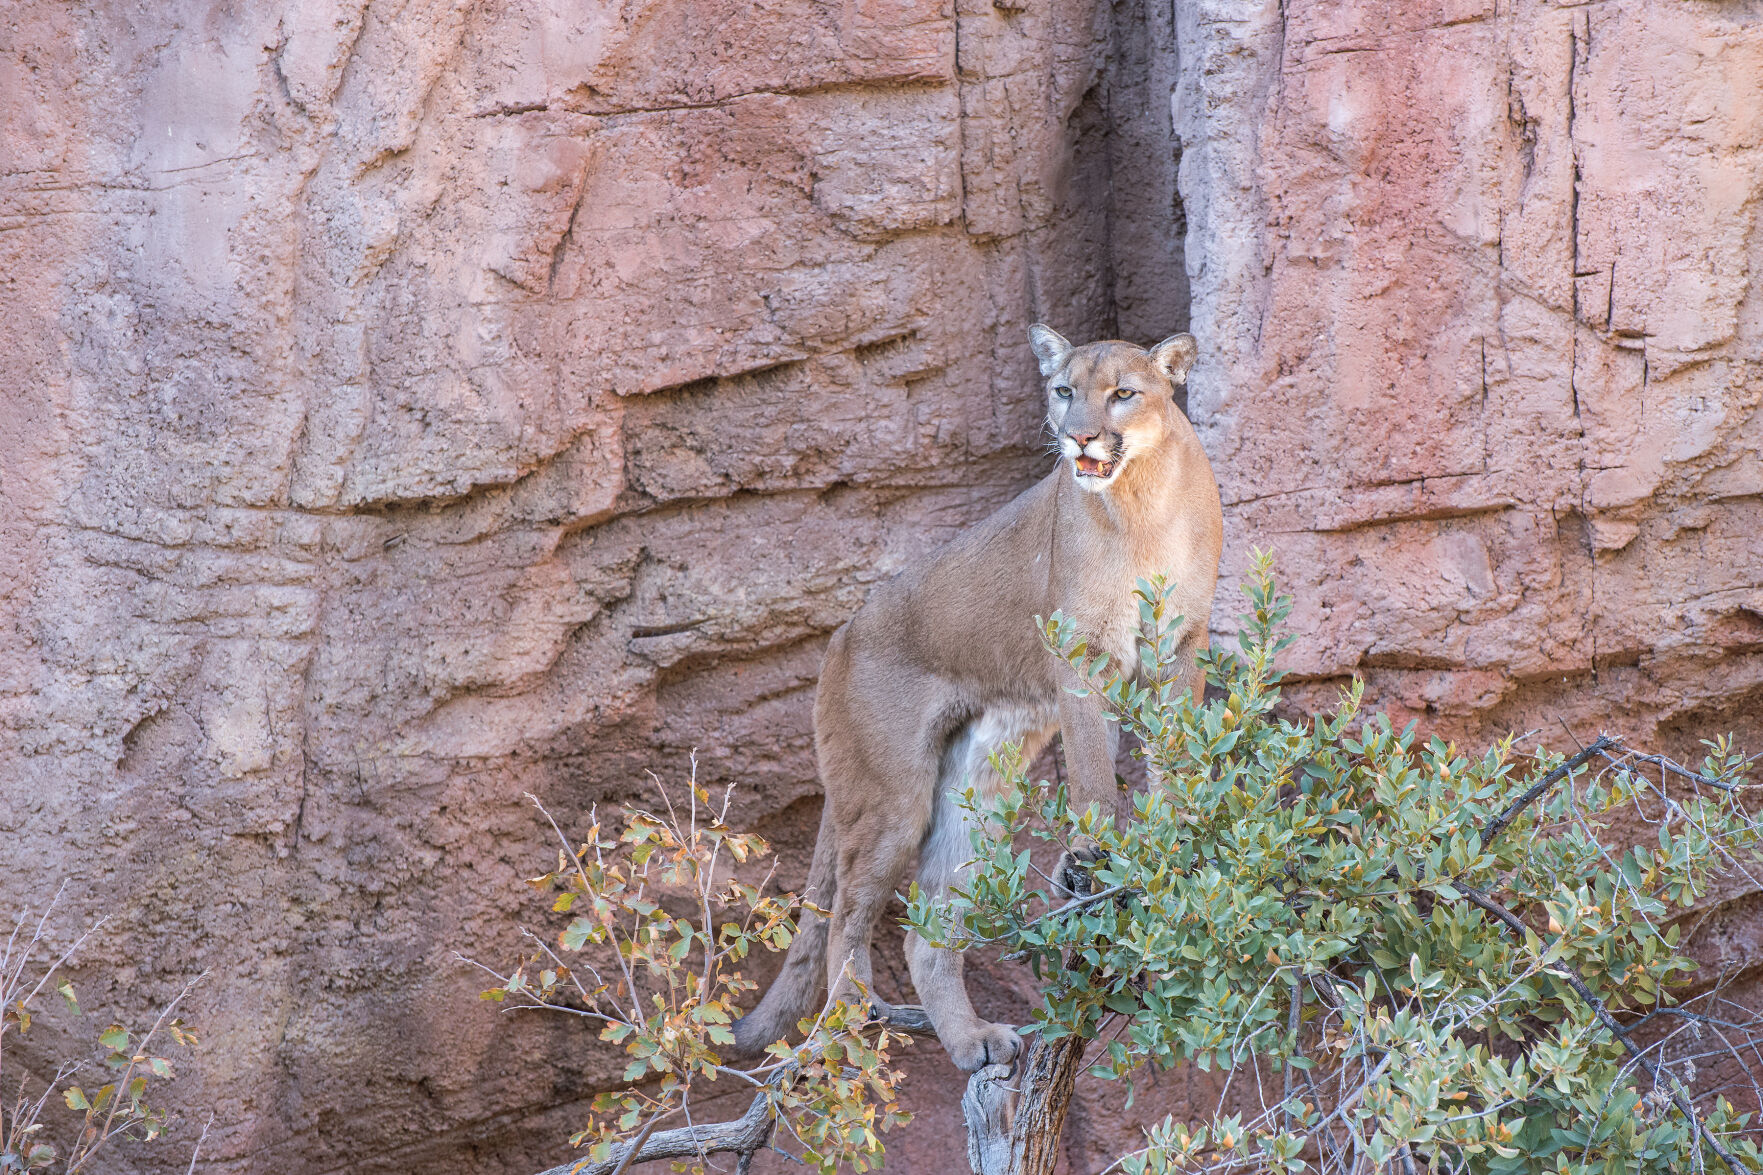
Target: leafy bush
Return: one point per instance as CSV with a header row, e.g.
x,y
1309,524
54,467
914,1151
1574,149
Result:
x,y
1405,956
1399,956
657,929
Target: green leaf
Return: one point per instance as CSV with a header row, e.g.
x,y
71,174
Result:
x,y
577,933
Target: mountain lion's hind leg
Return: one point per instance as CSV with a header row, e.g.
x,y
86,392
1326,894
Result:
x,y
879,827
971,1042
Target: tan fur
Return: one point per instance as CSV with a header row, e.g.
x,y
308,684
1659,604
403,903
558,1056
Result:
x,y
943,663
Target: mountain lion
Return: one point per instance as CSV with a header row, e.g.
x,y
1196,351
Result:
x,y
944,662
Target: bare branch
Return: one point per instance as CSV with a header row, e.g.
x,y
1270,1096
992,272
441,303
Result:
x,y
196,1151
636,1146
1294,1024
1675,768
742,1136
1498,824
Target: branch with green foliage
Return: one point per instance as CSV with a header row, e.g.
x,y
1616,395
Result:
x,y
1398,955
657,928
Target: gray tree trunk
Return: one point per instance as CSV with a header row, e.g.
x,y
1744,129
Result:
x,y
1015,1117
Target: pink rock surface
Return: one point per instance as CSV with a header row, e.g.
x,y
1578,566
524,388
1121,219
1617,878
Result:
x,y
410,406
1481,278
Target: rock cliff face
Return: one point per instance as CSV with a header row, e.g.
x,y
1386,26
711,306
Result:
x,y
414,405
1483,280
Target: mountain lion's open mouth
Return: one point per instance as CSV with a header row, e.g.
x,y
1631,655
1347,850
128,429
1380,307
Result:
x,y
1094,467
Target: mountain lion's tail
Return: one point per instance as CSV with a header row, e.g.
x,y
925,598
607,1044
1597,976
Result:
x,y
796,992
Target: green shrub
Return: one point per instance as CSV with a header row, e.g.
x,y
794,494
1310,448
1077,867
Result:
x,y
1406,957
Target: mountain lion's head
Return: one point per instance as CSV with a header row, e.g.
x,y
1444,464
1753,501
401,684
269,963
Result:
x,y
1112,401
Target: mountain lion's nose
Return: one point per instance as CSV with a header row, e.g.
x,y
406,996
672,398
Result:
x,y
1084,438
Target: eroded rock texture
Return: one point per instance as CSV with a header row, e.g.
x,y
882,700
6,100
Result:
x,y
414,405
1484,279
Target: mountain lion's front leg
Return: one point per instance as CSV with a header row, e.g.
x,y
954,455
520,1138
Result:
x,y
1089,744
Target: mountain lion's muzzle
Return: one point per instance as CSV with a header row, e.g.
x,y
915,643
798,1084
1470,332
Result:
x,y
1094,455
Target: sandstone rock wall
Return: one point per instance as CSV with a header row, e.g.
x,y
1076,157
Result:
x,y
413,405
1484,279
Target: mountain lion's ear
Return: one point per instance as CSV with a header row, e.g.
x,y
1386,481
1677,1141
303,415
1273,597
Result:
x,y
1175,355
1049,347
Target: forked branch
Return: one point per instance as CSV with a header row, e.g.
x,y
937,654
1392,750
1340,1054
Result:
x,y
743,1136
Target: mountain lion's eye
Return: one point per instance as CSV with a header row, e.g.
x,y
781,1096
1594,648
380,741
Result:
x,y
1062,393
1124,393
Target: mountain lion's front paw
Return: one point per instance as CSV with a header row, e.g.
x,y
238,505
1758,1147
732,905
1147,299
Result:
x,y
878,1010
984,1044
1070,877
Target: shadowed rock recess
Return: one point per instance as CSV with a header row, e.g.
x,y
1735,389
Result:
x,y
409,405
